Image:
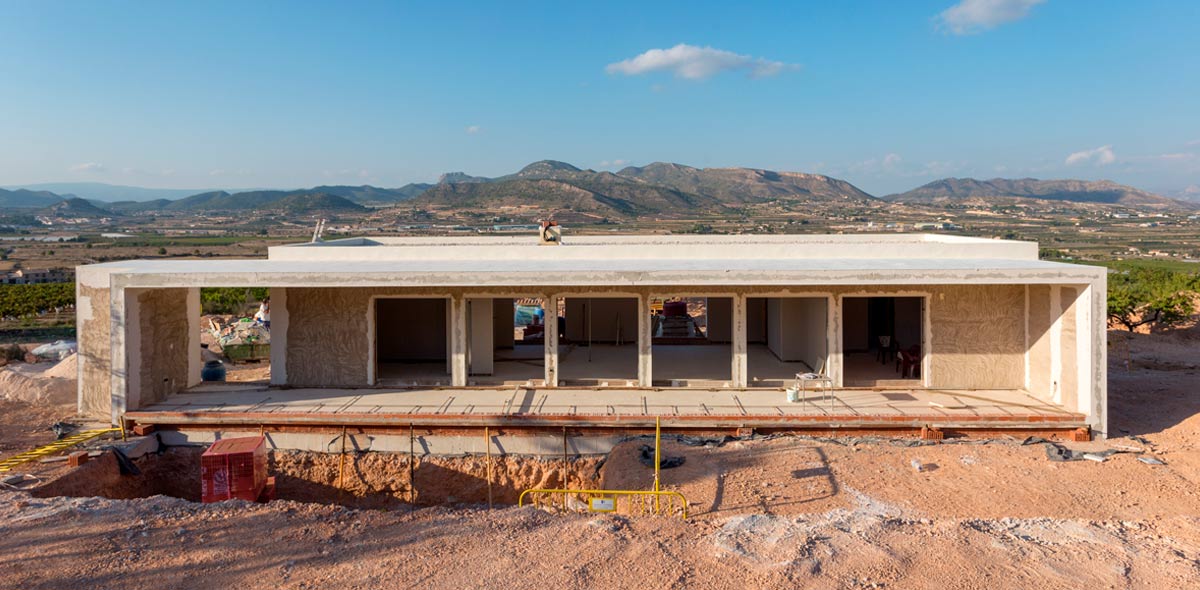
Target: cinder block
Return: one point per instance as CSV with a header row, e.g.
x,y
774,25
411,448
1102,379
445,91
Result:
x,y
1081,435
745,432
143,429
928,433
77,458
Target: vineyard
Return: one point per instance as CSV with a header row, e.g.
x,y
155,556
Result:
x,y
27,301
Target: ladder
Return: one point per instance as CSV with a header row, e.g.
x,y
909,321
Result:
x,y
54,447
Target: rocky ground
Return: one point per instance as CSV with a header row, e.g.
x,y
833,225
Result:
x,y
772,513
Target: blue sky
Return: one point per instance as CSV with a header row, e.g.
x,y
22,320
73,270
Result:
x,y
887,95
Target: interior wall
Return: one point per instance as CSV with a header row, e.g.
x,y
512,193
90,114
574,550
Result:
x,y
909,323
1069,386
503,323
164,339
481,322
1041,319
610,317
756,320
797,329
854,324
720,319
410,330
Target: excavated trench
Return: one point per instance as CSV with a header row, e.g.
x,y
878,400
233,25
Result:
x,y
359,480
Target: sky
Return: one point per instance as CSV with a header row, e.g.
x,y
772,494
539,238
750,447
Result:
x,y
887,95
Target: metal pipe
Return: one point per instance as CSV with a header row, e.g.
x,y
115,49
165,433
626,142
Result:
x,y
657,460
487,441
412,482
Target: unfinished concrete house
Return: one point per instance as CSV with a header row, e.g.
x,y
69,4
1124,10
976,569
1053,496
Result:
x,y
888,333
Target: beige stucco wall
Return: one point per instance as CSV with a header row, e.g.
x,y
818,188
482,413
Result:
x,y
1041,320
164,340
978,336
93,321
1070,360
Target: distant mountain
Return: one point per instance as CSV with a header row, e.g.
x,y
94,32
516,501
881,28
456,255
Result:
x,y
656,188
98,191
27,199
733,185
1191,193
460,178
75,208
1079,191
291,201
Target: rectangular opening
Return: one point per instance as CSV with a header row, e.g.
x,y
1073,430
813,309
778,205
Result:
x,y
412,341
692,341
598,341
786,336
235,334
507,341
883,341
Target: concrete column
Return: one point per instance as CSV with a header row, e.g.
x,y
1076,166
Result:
x,y
835,369
645,370
279,330
741,378
480,330
193,343
458,341
1092,347
551,332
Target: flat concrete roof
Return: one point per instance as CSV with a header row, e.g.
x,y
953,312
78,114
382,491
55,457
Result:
x,y
660,248
623,272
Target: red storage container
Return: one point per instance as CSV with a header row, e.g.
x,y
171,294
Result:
x,y
234,468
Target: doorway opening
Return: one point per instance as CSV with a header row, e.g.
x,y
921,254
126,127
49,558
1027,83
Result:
x,y
598,341
883,341
507,341
412,341
785,336
692,341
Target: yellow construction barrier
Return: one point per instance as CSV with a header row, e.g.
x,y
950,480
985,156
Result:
x,y
606,500
55,447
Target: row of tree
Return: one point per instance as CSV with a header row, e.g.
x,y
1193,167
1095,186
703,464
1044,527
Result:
x,y
22,301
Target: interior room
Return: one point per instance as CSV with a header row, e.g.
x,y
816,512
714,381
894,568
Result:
x,y
692,341
786,336
883,341
412,344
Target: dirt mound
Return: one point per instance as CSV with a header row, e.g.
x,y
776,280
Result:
x,y
67,368
17,386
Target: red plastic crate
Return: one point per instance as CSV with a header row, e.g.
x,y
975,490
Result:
x,y
234,468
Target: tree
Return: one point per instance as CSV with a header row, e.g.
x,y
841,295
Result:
x,y
162,251
1150,297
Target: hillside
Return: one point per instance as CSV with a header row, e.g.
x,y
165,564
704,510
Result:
x,y
1080,191
27,199
652,189
75,208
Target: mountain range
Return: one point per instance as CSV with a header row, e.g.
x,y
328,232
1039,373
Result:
x,y
996,189
630,192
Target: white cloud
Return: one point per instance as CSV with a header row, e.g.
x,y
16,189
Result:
x,y
890,161
973,16
614,163
697,63
1100,156
473,129
88,167
1193,142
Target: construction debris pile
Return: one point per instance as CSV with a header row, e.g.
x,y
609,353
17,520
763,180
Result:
x,y
242,339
